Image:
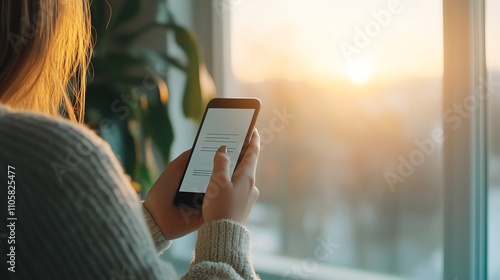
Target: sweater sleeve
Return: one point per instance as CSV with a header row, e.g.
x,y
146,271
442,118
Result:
x,y
222,252
161,243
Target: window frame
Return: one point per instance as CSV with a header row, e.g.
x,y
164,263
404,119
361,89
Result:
x,y
465,161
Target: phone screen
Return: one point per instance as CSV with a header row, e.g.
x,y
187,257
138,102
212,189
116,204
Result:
x,y
221,126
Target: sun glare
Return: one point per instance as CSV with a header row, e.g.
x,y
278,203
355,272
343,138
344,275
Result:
x,y
307,41
360,71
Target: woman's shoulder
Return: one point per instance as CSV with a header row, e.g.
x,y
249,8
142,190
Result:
x,y
38,126
32,137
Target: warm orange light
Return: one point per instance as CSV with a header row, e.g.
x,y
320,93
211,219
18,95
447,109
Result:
x,y
319,41
360,71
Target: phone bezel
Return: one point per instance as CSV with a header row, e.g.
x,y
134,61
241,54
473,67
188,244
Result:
x,y
194,199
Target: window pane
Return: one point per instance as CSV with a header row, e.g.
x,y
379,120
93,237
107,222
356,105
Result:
x,y
350,172
493,69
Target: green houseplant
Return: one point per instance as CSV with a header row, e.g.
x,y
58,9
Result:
x,y
127,98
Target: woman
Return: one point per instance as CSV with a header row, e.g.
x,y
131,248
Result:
x,y
73,213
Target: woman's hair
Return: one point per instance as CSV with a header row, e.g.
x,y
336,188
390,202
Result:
x,y
45,49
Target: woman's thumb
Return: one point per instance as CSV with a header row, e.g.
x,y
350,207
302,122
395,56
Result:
x,y
222,163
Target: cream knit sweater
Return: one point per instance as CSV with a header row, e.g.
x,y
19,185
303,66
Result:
x,y
79,218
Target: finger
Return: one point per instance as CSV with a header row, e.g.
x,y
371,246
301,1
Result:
x,y
248,164
173,171
178,164
182,160
222,164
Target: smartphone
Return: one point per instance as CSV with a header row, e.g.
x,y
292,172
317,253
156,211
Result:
x,y
226,121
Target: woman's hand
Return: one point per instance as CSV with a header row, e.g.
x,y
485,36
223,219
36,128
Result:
x,y
224,199
232,199
174,222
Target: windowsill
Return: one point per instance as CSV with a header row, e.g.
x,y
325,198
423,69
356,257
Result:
x,y
307,269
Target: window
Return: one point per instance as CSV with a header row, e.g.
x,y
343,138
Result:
x,y
350,128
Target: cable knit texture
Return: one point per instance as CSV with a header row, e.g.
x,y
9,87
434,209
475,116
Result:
x,y
78,217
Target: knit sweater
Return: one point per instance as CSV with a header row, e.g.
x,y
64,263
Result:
x,y
78,217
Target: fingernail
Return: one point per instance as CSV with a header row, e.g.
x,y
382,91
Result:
x,y
223,149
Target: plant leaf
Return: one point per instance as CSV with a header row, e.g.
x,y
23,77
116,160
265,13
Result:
x,y
160,126
140,134
129,157
174,62
144,179
192,102
128,10
192,99
125,39
119,137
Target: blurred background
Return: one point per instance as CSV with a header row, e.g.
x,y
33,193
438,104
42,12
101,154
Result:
x,y
350,173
